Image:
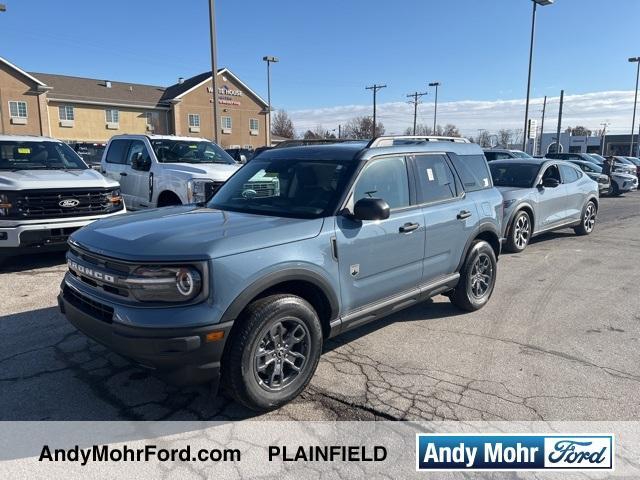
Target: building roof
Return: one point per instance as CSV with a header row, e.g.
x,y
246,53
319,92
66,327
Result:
x,y
91,90
178,90
22,72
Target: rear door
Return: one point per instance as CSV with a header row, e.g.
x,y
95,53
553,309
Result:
x,y
381,258
449,215
575,196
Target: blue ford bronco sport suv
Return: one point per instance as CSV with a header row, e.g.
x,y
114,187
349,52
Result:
x,y
245,289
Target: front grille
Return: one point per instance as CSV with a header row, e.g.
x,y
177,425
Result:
x,y
211,188
103,265
95,309
263,189
32,204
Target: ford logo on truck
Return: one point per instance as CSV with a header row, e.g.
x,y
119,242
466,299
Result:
x,y
69,203
90,272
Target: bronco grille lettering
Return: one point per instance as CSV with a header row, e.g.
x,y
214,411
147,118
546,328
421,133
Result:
x,y
89,272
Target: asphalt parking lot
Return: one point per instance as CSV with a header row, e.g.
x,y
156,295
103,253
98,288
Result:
x,y
559,340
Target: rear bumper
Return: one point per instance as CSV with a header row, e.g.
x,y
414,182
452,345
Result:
x,y
43,235
181,356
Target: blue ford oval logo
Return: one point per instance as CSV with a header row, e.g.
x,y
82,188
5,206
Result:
x,y
69,203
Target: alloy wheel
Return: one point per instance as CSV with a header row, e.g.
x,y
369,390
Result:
x,y
589,217
522,231
281,354
481,276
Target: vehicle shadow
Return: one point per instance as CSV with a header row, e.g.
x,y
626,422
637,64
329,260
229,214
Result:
x,y
21,263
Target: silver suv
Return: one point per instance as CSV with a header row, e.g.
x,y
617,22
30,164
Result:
x,y
247,288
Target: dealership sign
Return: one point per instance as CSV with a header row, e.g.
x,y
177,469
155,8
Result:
x,y
498,452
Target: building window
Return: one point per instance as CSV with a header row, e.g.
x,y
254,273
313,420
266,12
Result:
x,y
194,120
18,109
65,112
113,115
226,123
253,124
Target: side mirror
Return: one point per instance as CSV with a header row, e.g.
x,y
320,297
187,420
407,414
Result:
x,y
550,183
371,209
243,159
139,163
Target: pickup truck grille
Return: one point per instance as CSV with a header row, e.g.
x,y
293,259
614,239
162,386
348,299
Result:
x,y
33,204
263,189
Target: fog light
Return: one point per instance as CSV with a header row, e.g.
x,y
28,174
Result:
x,y
214,336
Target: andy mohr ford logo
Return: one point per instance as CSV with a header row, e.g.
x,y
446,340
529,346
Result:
x,y
71,202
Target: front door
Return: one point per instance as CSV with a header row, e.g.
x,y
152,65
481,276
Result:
x,y
137,181
378,259
115,167
552,202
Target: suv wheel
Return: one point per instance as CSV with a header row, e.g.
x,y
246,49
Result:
x,y
477,278
615,189
273,355
588,222
519,233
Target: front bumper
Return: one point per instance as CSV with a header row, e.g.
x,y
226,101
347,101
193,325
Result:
x,y
42,235
181,356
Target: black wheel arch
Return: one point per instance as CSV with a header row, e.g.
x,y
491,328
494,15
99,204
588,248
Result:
x,y
487,232
167,195
522,207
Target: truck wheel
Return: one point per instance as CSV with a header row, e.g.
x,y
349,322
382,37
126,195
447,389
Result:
x,y
588,222
519,233
477,278
274,354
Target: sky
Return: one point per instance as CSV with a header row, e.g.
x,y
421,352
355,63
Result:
x,y
330,50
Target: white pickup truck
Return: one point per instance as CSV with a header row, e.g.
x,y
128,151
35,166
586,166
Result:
x,y
46,193
162,170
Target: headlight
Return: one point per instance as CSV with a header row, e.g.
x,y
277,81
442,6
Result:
x,y
197,191
115,198
172,284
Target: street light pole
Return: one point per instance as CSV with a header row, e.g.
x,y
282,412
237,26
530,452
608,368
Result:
x,y
635,102
267,129
214,67
533,33
435,110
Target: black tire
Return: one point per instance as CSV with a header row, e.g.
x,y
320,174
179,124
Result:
x,y
464,295
519,232
587,219
241,376
615,190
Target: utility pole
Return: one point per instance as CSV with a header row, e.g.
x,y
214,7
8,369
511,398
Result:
x,y
604,136
544,110
435,109
559,122
415,101
267,129
214,67
375,89
635,103
339,131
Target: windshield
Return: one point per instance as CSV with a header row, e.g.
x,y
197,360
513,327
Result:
x,y
590,167
599,158
15,155
521,154
634,160
520,175
285,188
185,151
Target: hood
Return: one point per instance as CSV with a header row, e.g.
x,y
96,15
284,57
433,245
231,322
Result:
x,y
190,233
214,171
37,179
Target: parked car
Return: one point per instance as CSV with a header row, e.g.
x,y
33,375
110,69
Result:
x,y
595,173
636,162
624,165
163,170
541,195
46,193
240,155
585,157
504,154
91,153
257,285
622,181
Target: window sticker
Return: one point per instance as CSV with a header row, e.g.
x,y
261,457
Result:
x,y
430,174
24,151
485,181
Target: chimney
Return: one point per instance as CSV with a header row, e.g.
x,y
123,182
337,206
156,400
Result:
x,y
107,83
180,80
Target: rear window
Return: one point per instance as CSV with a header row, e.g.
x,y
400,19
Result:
x,y
473,171
117,152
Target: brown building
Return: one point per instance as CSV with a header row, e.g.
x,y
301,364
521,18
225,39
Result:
x,y
76,109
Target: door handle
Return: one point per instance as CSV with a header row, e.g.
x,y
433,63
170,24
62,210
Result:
x,y
409,227
123,174
463,214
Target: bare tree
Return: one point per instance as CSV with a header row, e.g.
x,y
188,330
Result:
x,y
578,131
282,125
450,130
504,137
484,139
360,128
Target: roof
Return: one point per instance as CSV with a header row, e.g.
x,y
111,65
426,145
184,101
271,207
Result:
x,y
22,72
160,137
26,138
91,90
178,90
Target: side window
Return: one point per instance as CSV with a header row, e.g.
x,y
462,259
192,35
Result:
x,y
117,151
137,146
385,178
473,171
569,174
552,172
435,179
